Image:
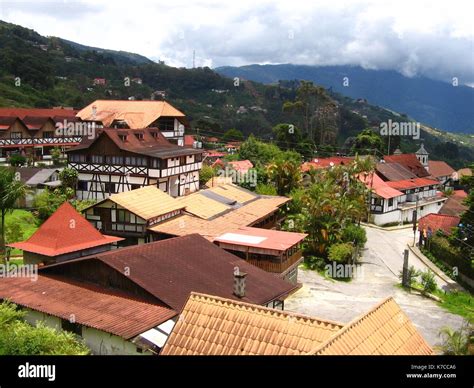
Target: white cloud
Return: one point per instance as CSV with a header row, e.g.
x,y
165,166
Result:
x,y
430,38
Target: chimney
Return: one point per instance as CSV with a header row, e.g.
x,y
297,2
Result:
x,y
239,282
94,112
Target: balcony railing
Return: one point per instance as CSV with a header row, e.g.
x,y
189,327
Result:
x,y
41,141
276,267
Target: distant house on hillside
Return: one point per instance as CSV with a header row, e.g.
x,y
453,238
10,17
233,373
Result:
x,y
99,81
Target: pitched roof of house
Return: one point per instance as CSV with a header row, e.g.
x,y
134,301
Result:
x,y
65,231
189,140
137,114
438,168
151,145
218,180
384,330
202,206
268,239
111,311
171,269
42,176
241,165
410,162
21,113
394,171
326,162
246,215
26,173
437,222
146,202
209,325
464,172
412,183
453,206
375,183
231,193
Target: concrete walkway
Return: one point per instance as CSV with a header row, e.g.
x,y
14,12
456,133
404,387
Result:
x,y
382,261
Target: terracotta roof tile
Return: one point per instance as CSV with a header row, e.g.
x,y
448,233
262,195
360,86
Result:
x,y
381,188
384,330
64,232
409,161
438,168
437,222
394,171
21,113
171,269
211,325
412,183
137,114
110,311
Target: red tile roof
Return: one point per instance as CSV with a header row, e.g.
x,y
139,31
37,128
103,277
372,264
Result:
x,y
152,145
454,206
111,311
171,269
37,112
437,222
189,140
412,183
64,232
438,168
394,171
375,183
459,194
241,165
410,162
326,162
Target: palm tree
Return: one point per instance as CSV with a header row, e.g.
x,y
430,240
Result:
x,y
286,175
11,190
455,342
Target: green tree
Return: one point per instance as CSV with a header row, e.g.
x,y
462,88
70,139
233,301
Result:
x,y
233,135
341,253
48,202
465,232
287,136
206,173
69,178
17,160
367,141
56,155
456,342
285,175
17,337
11,190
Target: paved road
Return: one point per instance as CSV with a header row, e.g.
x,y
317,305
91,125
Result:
x,y
342,302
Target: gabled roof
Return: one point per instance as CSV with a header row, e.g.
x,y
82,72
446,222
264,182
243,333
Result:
x,y
241,165
171,269
21,113
137,114
454,205
111,311
437,222
35,122
209,325
412,183
202,206
384,330
438,168
42,176
409,161
394,171
380,188
326,162
246,215
232,193
152,145
64,232
268,239
146,202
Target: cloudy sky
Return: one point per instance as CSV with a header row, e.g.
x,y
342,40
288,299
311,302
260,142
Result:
x,y
415,37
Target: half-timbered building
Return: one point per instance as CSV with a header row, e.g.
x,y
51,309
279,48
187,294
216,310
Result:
x,y
119,160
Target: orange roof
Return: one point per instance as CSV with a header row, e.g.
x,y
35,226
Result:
x,y
437,222
21,113
438,168
409,161
137,114
276,240
103,309
210,325
459,194
406,184
189,140
384,330
326,162
375,183
64,232
241,165
246,215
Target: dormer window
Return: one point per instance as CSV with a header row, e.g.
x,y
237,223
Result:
x,y
122,136
139,135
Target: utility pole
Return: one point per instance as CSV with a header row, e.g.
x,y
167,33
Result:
x,y
415,216
405,280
